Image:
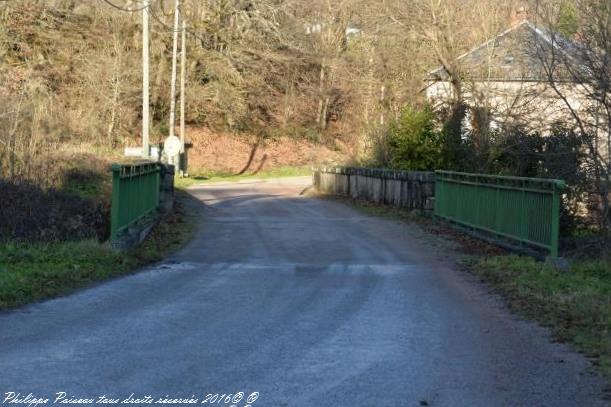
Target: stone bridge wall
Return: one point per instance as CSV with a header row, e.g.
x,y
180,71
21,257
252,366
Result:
x,y
403,189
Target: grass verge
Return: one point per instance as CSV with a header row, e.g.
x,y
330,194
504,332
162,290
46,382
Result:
x,y
35,271
575,304
202,177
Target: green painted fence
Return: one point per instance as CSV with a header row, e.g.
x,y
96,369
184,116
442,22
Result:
x,y
135,194
523,210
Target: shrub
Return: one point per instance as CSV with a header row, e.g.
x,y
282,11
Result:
x,y
559,155
414,143
379,154
30,213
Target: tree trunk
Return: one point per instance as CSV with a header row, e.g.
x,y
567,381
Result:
x,y
321,96
369,96
116,91
325,110
382,109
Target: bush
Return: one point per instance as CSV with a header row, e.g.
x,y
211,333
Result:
x,y
379,155
29,213
559,155
517,153
413,141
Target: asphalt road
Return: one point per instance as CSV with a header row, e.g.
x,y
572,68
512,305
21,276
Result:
x,y
307,302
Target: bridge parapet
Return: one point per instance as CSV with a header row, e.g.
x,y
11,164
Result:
x,y
141,193
404,189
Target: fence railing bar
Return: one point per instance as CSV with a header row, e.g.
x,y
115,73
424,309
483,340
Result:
x,y
495,232
523,210
559,183
494,186
135,194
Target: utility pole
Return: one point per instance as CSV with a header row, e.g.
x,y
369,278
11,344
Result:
x,y
183,70
174,55
145,78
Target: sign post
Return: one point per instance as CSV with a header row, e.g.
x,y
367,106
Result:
x,y
171,148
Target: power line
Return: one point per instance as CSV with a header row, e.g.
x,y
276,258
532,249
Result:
x,y
156,17
170,29
129,10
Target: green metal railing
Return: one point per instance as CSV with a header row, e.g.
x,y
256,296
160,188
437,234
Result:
x,y
524,210
135,194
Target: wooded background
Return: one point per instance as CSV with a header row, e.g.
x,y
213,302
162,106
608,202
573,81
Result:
x,y
71,70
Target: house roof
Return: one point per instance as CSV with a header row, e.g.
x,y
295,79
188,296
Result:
x,y
517,54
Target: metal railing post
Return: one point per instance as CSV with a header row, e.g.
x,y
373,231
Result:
x,y
555,227
116,200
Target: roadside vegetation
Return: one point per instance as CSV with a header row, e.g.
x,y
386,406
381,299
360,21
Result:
x,y
33,270
575,303
55,225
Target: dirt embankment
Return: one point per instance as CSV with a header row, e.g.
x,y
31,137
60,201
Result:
x,y
236,153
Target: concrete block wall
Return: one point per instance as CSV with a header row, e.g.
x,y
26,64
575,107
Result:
x,y
403,189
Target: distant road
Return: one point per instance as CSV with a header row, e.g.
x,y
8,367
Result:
x,y
307,302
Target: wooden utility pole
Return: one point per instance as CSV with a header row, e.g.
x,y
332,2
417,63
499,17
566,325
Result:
x,y
145,78
183,71
174,55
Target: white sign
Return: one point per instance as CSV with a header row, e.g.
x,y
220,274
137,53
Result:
x,y
154,153
171,146
133,151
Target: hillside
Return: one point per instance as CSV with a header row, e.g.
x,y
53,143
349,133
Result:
x,y
224,152
329,80
73,76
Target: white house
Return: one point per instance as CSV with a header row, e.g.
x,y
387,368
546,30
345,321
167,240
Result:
x,y
524,76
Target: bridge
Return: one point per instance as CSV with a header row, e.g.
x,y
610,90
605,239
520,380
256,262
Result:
x,y
305,301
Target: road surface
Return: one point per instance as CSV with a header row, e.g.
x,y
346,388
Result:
x,y
308,302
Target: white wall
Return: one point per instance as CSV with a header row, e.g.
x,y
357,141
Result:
x,y
535,105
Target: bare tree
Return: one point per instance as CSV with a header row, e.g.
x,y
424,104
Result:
x,y
578,71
